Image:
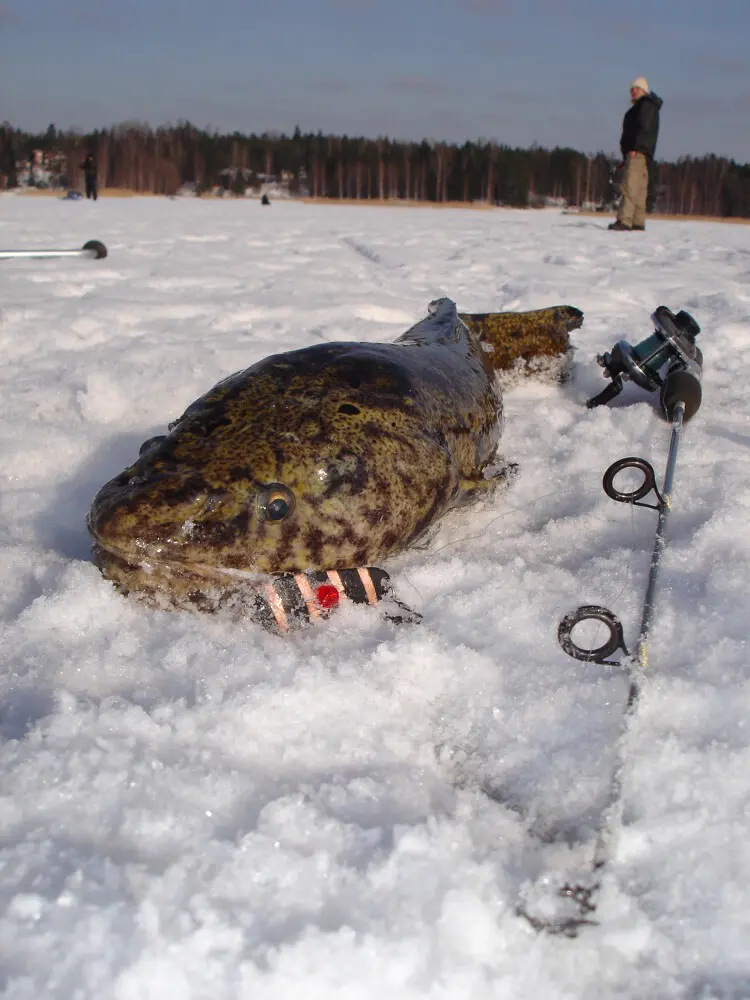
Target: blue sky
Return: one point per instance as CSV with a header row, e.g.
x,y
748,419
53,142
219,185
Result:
x,y
517,71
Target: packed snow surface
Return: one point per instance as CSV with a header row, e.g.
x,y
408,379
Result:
x,y
193,808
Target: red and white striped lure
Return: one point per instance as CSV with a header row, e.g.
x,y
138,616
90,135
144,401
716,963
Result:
x,y
292,600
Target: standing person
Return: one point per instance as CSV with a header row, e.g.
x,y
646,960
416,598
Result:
x,y
89,172
640,130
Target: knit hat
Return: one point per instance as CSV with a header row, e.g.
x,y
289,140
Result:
x,y
641,82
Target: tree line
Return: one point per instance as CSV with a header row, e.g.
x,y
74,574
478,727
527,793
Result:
x,y
163,160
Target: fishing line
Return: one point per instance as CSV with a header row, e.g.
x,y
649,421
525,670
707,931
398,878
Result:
x,y
529,505
512,510
594,643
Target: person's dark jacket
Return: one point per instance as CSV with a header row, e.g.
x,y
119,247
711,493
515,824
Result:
x,y
640,126
89,166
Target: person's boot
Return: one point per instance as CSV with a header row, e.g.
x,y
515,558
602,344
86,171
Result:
x,y
638,229
619,227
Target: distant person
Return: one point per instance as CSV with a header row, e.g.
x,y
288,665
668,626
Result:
x,y
640,130
89,172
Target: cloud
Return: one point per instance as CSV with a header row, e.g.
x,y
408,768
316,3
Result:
x,y
736,106
128,16
589,18
331,85
725,64
503,97
88,14
486,6
353,6
9,15
622,28
418,85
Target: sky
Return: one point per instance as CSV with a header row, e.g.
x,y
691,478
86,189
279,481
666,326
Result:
x,y
516,71
193,808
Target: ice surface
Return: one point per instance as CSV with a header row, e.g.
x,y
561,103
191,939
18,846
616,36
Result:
x,y
194,808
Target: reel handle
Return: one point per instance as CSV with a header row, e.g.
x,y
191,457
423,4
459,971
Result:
x,y
609,392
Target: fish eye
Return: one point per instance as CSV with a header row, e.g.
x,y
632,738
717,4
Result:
x,y
275,502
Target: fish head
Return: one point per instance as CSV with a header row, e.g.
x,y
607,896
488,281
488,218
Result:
x,y
315,459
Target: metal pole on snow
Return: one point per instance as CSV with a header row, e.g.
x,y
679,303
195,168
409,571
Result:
x,y
93,250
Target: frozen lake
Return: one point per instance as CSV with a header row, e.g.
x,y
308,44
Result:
x,y
191,807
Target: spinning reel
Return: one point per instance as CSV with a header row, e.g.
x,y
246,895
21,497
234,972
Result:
x,y
672,344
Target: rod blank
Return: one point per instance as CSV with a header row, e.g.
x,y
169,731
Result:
x,y
661,536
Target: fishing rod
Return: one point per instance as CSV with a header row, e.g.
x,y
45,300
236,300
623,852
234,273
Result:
x,y
672,347
93,249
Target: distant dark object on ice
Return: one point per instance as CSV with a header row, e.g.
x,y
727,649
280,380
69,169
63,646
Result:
x,y
73,196
264,200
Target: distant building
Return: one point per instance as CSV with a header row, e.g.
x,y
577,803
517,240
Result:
x,y
244,182
44,169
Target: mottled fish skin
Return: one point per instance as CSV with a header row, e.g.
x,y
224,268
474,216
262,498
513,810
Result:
x,y
525,336
367,445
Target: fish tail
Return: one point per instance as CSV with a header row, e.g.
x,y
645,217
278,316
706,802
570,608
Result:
x,y
518,339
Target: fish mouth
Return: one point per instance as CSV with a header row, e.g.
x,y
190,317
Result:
x,y
133,572
280,602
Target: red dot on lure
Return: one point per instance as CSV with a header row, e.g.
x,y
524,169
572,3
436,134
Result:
x,y
327,596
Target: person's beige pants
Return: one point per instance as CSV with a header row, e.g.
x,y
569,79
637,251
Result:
x,y
634,191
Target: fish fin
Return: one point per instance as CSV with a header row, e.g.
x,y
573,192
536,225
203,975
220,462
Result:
x,y
472,490
529,340
399,613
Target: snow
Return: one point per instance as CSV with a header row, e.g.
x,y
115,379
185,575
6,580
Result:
x,y
191,807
